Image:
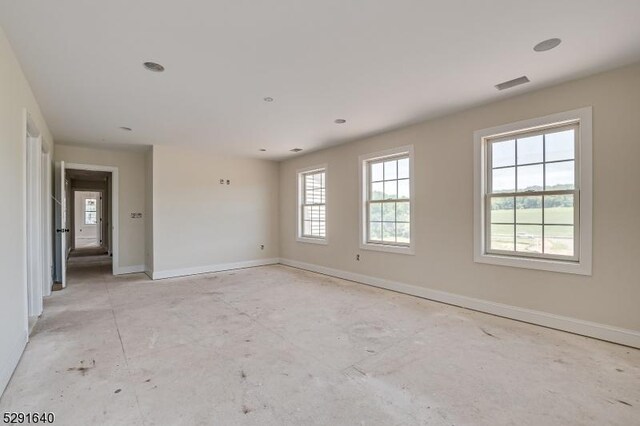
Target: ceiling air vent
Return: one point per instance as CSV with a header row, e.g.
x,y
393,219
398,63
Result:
x,y
296,150
512,83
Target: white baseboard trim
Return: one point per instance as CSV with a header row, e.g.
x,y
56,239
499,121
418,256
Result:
x,y
585,328
157,275
10,361
133,269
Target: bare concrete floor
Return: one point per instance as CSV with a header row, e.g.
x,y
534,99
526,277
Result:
x,y
276,345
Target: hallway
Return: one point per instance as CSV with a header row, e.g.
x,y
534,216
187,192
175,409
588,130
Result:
x,y
249,347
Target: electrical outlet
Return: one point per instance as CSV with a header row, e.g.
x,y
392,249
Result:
x,y
358,257
261,246
221,181
228,182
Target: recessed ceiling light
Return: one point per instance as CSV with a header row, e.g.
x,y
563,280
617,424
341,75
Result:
x,y
153,66
340,121
543,46
268,99
127,129
296,150
262,150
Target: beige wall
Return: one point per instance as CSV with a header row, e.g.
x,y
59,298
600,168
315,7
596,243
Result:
x,y
199,223
131,170
444,206
15,95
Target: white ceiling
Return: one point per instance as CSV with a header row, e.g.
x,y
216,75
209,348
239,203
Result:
x,y
377,63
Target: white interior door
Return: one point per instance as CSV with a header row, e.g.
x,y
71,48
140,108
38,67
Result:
x,y
61,223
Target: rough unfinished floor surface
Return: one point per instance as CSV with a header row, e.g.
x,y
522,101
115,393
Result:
x,y
275,345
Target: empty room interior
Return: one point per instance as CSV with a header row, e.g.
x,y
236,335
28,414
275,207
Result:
x,y
320,212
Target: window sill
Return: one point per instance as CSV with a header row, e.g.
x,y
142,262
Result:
x,y
322,241
568,267
388,248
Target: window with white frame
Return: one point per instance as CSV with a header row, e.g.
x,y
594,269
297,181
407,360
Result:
x,y
533,196
90,212
387,196
312,224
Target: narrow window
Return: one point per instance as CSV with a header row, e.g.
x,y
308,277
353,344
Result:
x,y
90,213
387,201
312,223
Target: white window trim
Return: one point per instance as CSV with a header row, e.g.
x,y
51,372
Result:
x,y
363,174
299,176
583,265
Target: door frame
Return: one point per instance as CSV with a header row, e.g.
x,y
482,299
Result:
x,y
114,207
37,229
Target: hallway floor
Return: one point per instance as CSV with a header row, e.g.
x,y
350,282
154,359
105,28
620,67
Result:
x,y
275,345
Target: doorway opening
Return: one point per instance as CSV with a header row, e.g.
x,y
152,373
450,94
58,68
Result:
x,y
89,215
86,218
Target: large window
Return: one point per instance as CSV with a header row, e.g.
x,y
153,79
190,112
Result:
x,y
90,212
312,223
387,194
532,189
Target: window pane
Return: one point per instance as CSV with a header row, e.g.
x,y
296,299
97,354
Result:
x,y
389,231
529,209
560,175
375,212
530,150
502,210
530,178
309,182
90,205
558,240
322,211
403,168
529,238
90,218
560,146
390,189
502,237
376,172
377,191
375,231
504,180
390,170
307,228
403,212
306,213
403,234
389,212
503,153
403,188
558,209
